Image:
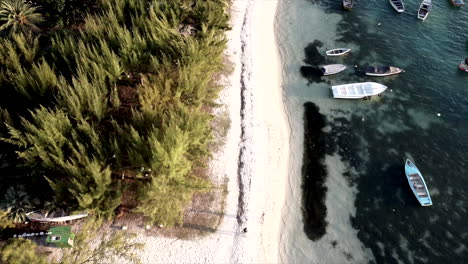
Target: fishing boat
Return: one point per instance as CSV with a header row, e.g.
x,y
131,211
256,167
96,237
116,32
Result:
x,y
337,52
457,2
398,5
463,65
348,4
332,69
381,71
43,217
417,183
358,90
424,9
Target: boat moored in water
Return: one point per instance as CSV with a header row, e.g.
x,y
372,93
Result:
x,y
381,71
417,183
332,69
357,90
398,5
463,65
348,4
424,9
457,2
337,52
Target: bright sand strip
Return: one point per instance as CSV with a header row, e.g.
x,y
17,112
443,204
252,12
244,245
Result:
x,y
265,147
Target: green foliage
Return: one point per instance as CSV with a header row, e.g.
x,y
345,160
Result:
x,y
164,199
21,251
5,222
16,202
131,89
115,247
16,15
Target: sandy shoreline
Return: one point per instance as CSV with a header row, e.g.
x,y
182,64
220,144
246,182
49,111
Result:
x,y
255,156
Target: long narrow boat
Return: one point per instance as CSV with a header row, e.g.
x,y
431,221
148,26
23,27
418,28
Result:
x,y
463,65
457,2
417,183
424,9
381,71
348,4
337,52
398,5
41,217
332,69
358,90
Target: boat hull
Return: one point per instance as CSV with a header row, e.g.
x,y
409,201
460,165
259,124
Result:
x,y
393,71
38,217
397,8
463,66
417,184
457,3
330,52
333,69
357,90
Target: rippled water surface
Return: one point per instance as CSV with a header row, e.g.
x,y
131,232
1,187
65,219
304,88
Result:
x,y
371,214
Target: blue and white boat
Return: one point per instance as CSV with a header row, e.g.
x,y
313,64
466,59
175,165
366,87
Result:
x,y
417,183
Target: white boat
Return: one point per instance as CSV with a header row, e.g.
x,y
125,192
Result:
x,y
337,52
41,217
457,3
381,71
417,183
332,69
358,90
398,5
424,9
348,4
463,65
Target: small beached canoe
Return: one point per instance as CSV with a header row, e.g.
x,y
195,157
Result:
x,y
358,90
381,71
463,65
332,69
457,2
417,183
424,9
398,5
348,4
337,52
41,217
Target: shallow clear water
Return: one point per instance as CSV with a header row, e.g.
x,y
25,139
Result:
x,y
372,216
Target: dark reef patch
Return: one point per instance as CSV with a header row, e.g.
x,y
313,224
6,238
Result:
x,y
314,173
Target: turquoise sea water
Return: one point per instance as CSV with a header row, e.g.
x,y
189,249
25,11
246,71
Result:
x,y
371,215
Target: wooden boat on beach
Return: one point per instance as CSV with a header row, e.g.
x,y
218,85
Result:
x,y
337,52
398,5
417,183
357,90
381,71
463,65
457,2
348,4
332,69
424,9
42,217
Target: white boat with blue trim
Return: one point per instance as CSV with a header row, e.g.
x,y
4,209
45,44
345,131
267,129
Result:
x,y
358,90
417,183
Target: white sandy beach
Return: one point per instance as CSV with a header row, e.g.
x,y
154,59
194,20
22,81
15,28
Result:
x,y
257,139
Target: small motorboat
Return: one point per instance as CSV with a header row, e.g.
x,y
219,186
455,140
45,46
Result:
x,y
457,2
337,52
398,5
463,65
417,183
381,71
332,69
348,4
358,90
424,9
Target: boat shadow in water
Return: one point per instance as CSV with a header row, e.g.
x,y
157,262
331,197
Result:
x,y
314,172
